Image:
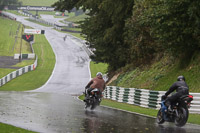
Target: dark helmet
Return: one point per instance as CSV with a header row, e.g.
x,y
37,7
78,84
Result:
x,y
181,78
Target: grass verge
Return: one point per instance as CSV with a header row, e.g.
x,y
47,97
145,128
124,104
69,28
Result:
x,y
76,19
38,77
5,128
4,72
46,25
78,35
97,67
37,2
24,63
14,12
8,45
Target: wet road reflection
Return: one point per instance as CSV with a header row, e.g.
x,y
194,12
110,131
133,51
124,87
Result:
x,y
122,122
62,113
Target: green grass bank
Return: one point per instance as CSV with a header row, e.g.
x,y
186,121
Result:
x,y
38,77
161,74
10,39
9,46
10,43
5,128
37,2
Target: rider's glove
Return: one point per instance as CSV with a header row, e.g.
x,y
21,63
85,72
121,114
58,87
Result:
x,y
163,97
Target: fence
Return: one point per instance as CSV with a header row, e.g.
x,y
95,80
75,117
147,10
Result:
x,y
144,98
18,72
5,14
25,56
22,70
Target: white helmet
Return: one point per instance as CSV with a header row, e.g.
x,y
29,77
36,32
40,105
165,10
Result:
x,y
99,74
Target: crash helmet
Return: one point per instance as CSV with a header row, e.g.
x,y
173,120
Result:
x,y
99,74
181,77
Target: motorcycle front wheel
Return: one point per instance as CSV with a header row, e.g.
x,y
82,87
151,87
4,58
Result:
x,y
182,117
160,117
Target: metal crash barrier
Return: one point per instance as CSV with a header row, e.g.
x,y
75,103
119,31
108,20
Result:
x,y
144,98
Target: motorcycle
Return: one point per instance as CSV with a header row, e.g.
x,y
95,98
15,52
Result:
x,y
179,111
93,100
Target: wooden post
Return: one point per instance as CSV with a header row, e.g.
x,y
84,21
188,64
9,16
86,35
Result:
x,y
20,54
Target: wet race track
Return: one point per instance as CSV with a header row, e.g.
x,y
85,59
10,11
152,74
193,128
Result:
x,y
62,113
54,108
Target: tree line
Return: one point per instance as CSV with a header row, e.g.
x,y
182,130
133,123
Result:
x,y
4,3
135,31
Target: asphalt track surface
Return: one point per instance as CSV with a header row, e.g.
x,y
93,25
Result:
x,y
54,108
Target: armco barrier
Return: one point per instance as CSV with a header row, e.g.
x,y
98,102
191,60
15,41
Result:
x,y
25,56
8,15
23,70
18,72
144,98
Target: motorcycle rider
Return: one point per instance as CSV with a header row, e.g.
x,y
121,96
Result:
x,y
97,82
181,89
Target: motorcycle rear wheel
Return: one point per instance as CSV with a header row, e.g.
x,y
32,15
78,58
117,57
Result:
x,y
87,104
182,117
93,104
159,118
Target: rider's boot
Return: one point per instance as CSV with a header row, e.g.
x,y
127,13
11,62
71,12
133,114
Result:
x,y
86,97
168,105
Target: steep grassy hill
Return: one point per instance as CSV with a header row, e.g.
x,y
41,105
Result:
x,y
162,74
38,2
44,52
8,45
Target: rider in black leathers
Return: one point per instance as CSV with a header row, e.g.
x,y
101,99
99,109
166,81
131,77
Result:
x,y
181,89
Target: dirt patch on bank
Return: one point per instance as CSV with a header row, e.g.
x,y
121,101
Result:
x,y
8,62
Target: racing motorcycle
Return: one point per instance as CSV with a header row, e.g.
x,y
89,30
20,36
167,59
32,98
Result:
x,y
93,100
179,111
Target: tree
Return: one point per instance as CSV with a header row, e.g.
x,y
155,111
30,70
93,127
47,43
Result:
x,y
104,29
143,46
159,26
4,3
175,24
